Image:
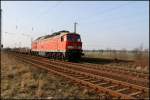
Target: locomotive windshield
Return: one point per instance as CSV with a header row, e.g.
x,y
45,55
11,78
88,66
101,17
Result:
x,y
73,38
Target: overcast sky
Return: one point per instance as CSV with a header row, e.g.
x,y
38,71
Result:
x,y
102,24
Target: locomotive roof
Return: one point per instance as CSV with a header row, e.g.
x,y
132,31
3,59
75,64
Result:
x,y
54,34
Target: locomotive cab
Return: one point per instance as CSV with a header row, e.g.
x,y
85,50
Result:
x,y
73,46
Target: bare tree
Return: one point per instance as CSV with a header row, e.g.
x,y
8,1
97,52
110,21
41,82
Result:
x,y
140,57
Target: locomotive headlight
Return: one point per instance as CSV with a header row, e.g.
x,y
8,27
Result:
x,y
78,40
70,47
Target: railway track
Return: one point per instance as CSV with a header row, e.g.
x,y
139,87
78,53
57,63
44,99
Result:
x,y
105,72
134,72
108,72
112,87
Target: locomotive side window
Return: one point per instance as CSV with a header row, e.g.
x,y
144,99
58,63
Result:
x,y
62,38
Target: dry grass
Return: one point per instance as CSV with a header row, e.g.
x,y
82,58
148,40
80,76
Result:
x,y
23,81
141,59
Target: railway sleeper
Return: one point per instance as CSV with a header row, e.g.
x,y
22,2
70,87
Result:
x,y
96,82
112,86
135,93
82,77
89,79
123,89
100,84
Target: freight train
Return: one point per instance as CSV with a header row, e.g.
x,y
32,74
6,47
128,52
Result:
x,y
59,45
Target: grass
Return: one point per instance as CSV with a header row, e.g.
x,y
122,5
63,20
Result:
x,y
141,59
23,81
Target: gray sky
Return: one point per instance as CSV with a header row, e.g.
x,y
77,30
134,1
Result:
x,y
111,24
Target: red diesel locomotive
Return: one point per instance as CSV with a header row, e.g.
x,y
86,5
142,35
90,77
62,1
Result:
x,y
62,44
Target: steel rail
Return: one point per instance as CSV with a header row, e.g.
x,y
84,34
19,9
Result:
x,y
115,69
118,83
126,70
120,76
107,68
97,88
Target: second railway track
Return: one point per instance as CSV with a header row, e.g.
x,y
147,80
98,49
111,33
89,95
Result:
x,y
115,88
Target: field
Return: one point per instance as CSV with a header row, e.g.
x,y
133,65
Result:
x,y
140,59
20,80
